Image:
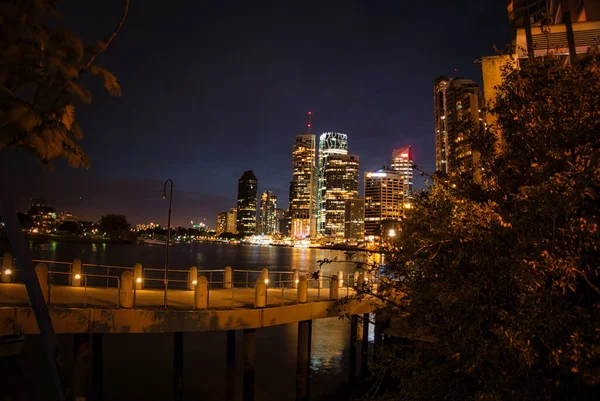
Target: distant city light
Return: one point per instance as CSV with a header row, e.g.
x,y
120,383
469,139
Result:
x,y
378,175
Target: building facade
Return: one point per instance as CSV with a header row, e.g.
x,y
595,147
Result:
x,y
221,223
267,213
231,226
384,199
402,163
303,196
330,144
246,203
354,219
284,223
341,184
43,216
457,100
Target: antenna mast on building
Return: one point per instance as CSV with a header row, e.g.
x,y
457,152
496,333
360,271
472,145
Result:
x,y
309,121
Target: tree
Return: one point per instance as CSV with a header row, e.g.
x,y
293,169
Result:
x,y
40,67
493,286
115,226
25,221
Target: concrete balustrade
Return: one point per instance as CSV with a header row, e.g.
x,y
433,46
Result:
x,y
264,275
260,293
138,276
334,287
201,293
193,278
76,277
7,267
41,270
126,290
340,277
228,278
295,278
302,290
320,279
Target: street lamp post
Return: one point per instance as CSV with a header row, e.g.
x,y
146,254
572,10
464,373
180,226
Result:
x,y
164,196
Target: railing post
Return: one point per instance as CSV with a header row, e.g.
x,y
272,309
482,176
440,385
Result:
x,y
334,287
260,294
320,279
138,276
192,278
227,278
7,267
41,270
75,277
264,275
340,277
302,289
295,278
201,294
126,290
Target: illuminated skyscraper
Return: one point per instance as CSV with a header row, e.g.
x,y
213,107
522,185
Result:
x,y
355,219
267,217
303,187
384,199
247,199
456,100
341,184
221,223
330,143
402,162
232,221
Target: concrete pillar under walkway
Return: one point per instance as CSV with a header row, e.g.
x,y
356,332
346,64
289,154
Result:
x,y
303,360
178,366
81,375
249,352
364,346
97,367
230,356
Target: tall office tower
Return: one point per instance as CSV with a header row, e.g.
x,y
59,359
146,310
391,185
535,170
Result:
x,y
246,202
341,183
221,223
384,199
302,202
283,222
456,100
354,211
232,221
330,143
266,218
402,162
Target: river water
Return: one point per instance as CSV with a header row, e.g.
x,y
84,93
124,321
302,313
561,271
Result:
x,y
140,366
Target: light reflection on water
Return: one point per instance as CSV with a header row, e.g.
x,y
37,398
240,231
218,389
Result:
x,y
276,346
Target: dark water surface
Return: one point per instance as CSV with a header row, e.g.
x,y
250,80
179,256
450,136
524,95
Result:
x,y
139,366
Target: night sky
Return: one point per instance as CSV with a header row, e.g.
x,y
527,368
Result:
x,y
214,88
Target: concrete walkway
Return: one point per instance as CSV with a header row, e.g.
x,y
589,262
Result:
x,y
107,298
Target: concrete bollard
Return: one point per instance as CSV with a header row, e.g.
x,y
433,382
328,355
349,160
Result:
x,y
7,267
228,278
334,287
76,279
264,275
126,290
302,289
41,270
138,276
192,278
295,278
320,279
201,293
260,294
340,276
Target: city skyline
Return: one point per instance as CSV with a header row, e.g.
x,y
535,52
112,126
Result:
x,y
175,127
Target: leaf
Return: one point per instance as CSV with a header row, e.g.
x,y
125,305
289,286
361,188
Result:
x,y
83,94
110,81
68,116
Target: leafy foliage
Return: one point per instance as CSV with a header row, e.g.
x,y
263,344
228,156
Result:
x,y
115,226
493,285
40,64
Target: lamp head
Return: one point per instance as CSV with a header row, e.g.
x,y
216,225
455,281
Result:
x,y
164,195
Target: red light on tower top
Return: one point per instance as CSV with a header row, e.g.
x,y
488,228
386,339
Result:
x,y
309,120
